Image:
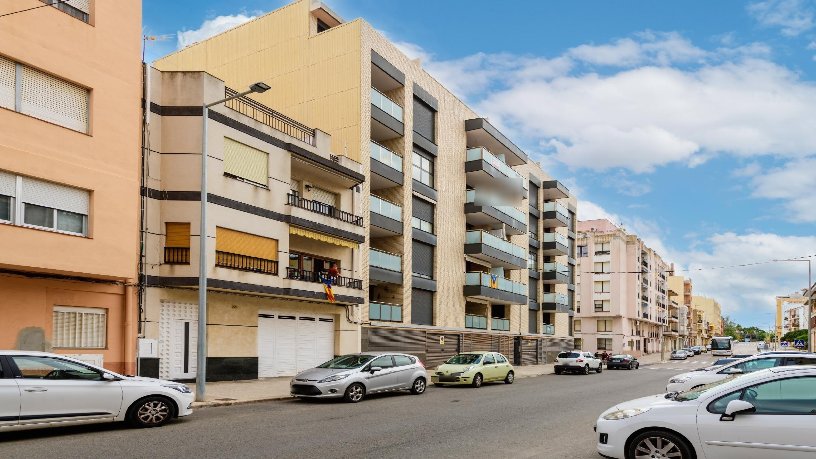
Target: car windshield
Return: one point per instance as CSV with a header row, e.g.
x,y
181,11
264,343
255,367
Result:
x,y
569,355
347,362
693,394
464,359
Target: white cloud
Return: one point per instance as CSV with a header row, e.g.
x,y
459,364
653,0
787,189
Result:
x,y
588,210
794,184
211,27
650,48
792,17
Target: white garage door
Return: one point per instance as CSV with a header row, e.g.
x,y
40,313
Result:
x,y
288,344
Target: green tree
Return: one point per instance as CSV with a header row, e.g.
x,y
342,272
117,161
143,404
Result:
x,y
755,333
794,335
731,328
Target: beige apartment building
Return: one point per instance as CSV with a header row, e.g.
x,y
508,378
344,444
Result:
x,y
623,291
69,178
467,242
680,292
711,314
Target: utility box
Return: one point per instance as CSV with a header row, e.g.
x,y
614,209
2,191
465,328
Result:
x,y
148,348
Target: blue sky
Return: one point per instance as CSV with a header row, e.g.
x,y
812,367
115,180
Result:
x,y
688,122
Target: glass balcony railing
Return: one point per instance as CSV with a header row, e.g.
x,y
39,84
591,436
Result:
x,y
557,298
555,267
499,283
554,206
548,329
474,321
487,199
386,156
499,324
554,237
385,312
385,260
385,104
474,154
386,208
481,237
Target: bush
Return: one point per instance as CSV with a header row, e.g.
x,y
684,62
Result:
x,y
794,335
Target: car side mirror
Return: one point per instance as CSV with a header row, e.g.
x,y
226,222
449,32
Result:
x,y
109,377
375,369
736,407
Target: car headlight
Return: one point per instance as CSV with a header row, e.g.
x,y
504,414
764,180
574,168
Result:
x,y
623,414
333,378
179,387
679,380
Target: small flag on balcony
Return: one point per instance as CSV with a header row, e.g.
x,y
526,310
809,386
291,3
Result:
x,y
494,281
327,286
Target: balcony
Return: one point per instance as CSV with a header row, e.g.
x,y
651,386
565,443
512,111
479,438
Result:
x,y
555,215
474,321
323,209
318,278
499,324
486,210
555,302
547,329
177,255
497,290
245,263
553,189
386,117
386,168
554,244
480,133
386,218
265,115
483,170
555,273
674,319
494,250
384,267
385,312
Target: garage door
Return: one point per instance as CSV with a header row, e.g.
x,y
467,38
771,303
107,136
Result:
x,y
288,344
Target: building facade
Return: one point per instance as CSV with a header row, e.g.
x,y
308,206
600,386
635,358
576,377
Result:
x,y
283,219
69,179
446,201
623,290
711,315
680,292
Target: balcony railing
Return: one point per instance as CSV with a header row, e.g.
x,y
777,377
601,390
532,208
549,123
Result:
x,y
548,329
482,198
481,237
474,154
385,104
319,278
177,255
386,156
554,206
500,283
265,115
555,267
474,321
385,260
500,324
532,264
385,208
555,237
385,312
323,209
557,298
245,263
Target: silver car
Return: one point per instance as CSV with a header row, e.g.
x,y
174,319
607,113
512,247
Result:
x,y
353,376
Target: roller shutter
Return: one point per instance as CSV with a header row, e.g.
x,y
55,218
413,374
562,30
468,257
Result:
x,y
424,120
8,184
324,196
51,99
231,241
177,235
7,78
48,194
245,162
288,344
422,262
421,307
422,210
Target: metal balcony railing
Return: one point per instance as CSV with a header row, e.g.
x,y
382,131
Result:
x,y
320,277
245,263
177,255
265,115
323,209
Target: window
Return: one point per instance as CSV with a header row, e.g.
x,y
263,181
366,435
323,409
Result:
x,y
79,9
718,406
40,367
500,359
424,120
603,305
786,396
602,248
604,325
79,328
488,359
421,307
384,361
602,286
177,243
423,215
45,205
244,162
583,251
5,208
322,26
752,365
578,343
423,169
532,261
604,344
533,227
576,324
800,361
246,252
422,261
403,360
602,267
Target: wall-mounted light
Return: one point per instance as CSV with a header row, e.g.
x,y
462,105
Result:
x,y
308,187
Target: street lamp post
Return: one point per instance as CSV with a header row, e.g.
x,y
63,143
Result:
x,y
201,357
809,301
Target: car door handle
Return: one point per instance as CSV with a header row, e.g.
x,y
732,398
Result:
x,y
36,389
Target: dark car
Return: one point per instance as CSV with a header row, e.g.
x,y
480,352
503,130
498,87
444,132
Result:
x,y
697,350
625,361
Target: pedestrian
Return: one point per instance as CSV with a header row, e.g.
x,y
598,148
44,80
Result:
x,y
334,272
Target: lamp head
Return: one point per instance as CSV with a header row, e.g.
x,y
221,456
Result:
x,y
259,87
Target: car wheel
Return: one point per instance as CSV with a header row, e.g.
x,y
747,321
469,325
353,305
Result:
x,y
558,372
418,387
586,369
151,412
477,380
600,368
509,378
354,393
630,367
658,444
637,365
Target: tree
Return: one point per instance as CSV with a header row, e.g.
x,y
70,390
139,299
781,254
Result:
x,y
795,335
731,328
755,333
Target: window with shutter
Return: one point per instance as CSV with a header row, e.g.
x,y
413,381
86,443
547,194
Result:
x,y
177,235
422,262
421,307
79,328
532,321
244,162
7,83
244,251
424,120
423,215
8,189
324,196
54,206
54,100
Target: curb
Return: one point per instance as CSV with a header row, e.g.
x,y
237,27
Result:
x,y
222,403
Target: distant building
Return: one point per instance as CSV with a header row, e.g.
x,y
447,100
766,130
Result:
x,y
711,315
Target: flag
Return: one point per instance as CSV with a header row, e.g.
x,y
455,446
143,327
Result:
x,y
327,286
494,281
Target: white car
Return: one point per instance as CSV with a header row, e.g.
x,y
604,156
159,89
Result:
x,y
577,362
39,389
692,379
765,415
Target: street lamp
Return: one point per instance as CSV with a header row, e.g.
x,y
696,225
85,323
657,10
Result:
x,y
809,300
201,358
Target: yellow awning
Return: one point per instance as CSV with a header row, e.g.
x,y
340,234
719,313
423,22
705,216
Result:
x,y
322,237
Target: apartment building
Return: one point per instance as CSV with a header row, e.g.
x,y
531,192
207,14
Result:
x,y
283,219
680,292
69,178
623,289
446,201
711,315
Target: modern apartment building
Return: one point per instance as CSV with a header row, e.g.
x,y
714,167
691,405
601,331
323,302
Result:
x,y
623,289
69,178
283,219
454,212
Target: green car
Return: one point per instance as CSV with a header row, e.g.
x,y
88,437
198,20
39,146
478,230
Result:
x,y
474,368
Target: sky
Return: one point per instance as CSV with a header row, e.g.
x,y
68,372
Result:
x,y
690,123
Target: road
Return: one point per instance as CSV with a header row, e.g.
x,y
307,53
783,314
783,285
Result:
x,y
545,416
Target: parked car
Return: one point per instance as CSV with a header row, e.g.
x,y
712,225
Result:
x,y
723,361
40,389
695,379
689,351
756,416
354,376
474,368
696,350
740,356
625,361
679,354
577,362
708,347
